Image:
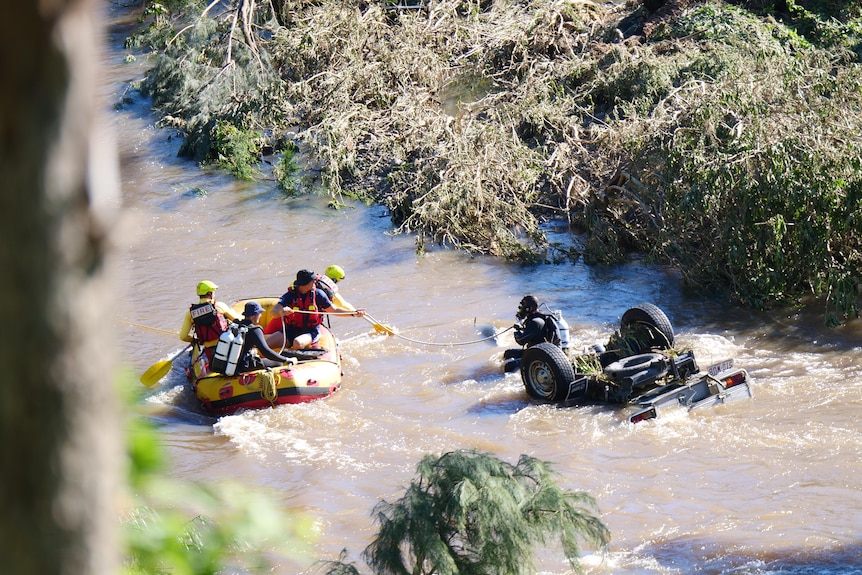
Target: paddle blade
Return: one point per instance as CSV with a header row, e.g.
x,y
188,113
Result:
x,y
380,328
156,372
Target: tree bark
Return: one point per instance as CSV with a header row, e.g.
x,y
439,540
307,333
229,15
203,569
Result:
x,y
61,445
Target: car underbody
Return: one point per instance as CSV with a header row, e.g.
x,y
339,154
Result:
x,y
639,369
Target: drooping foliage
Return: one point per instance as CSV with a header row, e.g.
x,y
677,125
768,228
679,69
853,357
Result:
x,y
213,82
469,513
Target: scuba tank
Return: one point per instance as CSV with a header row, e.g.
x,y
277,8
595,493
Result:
x,y
226,356
219,362
564,330
235,349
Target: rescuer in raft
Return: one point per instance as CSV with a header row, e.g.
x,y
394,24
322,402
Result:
x,y
296,316
327,282
208,317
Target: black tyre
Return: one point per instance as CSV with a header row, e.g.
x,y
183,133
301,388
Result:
x,y
646,314
634,364
546,372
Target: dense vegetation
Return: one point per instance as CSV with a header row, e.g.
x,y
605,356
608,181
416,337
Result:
x,y
722,139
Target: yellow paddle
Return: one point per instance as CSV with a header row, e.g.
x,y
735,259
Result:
x,y
159,369
379,327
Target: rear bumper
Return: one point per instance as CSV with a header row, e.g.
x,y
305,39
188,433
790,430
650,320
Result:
x,y
702,392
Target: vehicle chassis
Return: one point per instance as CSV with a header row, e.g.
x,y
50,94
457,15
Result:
x,y
650,376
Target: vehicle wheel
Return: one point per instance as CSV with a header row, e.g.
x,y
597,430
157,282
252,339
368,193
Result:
x,y
546,372
633,364
651,316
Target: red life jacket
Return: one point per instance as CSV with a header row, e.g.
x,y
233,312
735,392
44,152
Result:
x,y
307,302
209,322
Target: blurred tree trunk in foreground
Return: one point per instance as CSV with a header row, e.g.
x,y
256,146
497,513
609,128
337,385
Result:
x,y
58,424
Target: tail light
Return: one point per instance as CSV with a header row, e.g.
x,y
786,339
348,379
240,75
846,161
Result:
x,y
735,379
643,416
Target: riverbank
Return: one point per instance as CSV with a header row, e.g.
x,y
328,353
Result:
x,y
720,140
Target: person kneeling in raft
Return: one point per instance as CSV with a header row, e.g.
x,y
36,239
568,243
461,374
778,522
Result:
x,y
296,314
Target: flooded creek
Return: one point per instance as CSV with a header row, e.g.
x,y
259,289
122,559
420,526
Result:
x,y
766,486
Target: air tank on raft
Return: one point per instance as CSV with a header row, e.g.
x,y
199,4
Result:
x,y
233,354
227,350
219,362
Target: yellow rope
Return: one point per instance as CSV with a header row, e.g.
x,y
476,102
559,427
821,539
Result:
x,y
269,381
453,344
147,327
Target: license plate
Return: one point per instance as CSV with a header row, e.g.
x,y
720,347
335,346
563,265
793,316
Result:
x,y
577,388
719,367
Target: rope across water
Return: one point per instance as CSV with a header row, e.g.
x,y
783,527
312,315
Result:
x,y
148,327
390,331
450,344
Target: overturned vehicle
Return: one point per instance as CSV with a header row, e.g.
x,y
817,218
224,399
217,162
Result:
x,y
639,367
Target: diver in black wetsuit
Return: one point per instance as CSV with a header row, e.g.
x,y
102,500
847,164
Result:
x,y
534,328
254,339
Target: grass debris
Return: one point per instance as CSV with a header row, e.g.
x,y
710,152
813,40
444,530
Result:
x,y
721,138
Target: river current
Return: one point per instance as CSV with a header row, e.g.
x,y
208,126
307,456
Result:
x,y
765,486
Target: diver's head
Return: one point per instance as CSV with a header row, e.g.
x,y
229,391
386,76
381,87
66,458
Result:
x,y
528,305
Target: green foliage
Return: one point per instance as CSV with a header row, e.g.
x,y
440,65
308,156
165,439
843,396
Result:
x,y
340,566
771,217
588,364
470,513
743,187
235,150
286,169
833,25
633,89
189,528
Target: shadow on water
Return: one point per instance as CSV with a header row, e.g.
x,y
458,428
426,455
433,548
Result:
x,y
501,405
788,329
695,555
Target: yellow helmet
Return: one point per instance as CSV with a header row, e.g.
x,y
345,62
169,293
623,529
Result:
x,y
336,273
206,287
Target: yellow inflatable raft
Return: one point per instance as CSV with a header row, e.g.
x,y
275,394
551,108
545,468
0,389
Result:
x,y
311,374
